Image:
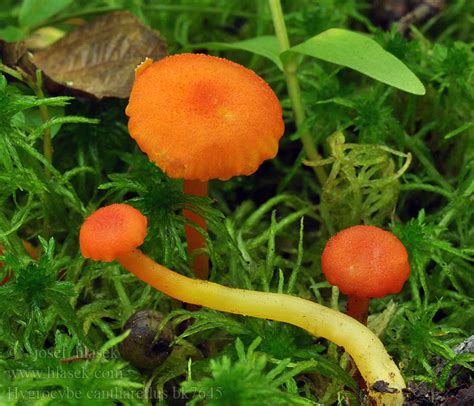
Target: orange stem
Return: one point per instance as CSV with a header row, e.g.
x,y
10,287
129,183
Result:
x,y
199,262
358,308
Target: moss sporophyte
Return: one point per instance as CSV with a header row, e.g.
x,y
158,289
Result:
x,y
114,233
199,117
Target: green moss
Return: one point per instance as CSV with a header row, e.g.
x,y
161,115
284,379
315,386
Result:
x,y
266,231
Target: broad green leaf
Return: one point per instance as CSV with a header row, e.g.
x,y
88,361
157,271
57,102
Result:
x,y
34,12
359,52
266,46
11,34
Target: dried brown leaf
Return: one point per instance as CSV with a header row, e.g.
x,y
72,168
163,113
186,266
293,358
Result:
x,y
11,52
99,57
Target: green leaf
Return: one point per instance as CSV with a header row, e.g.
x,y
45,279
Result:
x,y
359,52
34,12
459,130
266,46
11,34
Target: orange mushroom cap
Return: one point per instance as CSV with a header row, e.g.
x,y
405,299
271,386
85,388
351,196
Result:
x,y
366,261
202,117
112,231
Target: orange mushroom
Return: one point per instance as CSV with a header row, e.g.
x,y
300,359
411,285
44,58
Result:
x,y
114,232
199,117
365,262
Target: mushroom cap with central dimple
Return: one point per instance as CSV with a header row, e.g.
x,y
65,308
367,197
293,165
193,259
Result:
x,y
112,231
366,261
202,117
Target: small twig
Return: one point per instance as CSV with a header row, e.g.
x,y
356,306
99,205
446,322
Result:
x,y
47,138
426,9
18,75
85,357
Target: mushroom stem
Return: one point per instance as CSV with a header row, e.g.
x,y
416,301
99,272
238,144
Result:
x,y
199,262
358,308
365,348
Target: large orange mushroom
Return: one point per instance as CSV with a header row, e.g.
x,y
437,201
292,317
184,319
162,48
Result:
x,y
114,233
365,262
200,117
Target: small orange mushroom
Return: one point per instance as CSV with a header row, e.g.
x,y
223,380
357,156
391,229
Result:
x,y
115,232
200,117
112,231
365,262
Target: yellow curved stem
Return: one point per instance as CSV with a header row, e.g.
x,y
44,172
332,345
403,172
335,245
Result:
x,y
367,351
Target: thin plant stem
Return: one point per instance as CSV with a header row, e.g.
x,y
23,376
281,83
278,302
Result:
x,y
12,72
334,304
294,92
428,188
429,167
124,299
446,220
47,138
37,86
